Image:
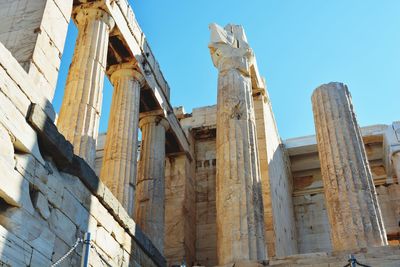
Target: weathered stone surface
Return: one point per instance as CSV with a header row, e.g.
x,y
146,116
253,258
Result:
x,y
62,226
206,227
17,78
24,25
150,183
280,229
81,169
240,218
180,211
353,210
14,251
80,111
313,232
118,170
391,146
10,183
42,205
52,142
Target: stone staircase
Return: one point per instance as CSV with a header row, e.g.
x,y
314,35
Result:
x,y
376,257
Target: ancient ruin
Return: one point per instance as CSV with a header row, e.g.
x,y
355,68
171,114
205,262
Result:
x,y
216,187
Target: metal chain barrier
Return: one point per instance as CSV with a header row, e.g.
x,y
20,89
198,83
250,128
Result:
x,y
78,241
353,262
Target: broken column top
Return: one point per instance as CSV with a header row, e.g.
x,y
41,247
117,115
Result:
x,y
229,48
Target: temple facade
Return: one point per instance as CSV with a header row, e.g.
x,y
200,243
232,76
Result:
x,y
214,187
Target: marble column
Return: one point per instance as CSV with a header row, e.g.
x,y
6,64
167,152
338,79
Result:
x,y
351,201
79,116
240,222
150,182
118,170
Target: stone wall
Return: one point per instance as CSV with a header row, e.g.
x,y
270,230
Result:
x,y
180,211
201,126
206,233
34,32
44,210
389,201
277,183
313,231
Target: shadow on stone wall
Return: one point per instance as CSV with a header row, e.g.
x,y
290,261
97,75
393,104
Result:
x,y
50,197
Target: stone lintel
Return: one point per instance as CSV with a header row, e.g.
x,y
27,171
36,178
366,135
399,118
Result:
x,y
129,31
308,144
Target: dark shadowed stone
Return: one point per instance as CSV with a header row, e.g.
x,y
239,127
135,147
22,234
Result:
x,y
51,142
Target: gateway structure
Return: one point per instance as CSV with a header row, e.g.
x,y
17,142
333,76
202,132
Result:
x,y
217,187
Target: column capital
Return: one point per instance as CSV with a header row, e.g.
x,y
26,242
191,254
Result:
x,y
154,119
229,49
125,70
93,12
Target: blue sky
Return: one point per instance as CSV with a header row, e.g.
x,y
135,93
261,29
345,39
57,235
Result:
x,y
299,45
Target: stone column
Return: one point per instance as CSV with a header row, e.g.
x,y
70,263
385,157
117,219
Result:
x,y
79,116
240,223
118,170
351,201
150,184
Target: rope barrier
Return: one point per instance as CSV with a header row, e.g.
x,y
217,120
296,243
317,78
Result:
x,y
78,241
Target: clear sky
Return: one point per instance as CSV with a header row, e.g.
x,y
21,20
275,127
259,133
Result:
x,y
299,45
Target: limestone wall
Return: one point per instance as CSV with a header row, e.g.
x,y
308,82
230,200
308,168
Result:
x,y
201,126
277,189
43,210
35,32
389,201
180,211
206,233
312,224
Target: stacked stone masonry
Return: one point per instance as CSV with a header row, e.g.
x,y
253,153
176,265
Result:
x,y
216,187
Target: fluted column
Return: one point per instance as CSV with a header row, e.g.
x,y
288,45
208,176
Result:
x,y
351,201
80,111
118,170
150,184
240,223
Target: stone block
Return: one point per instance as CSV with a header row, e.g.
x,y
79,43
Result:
x,y
85,173
107,243
53,142
11,90
44,242
14,251
55,24
39,260
62,226
101,214
21,78
74,210
41,204
59,250
23,136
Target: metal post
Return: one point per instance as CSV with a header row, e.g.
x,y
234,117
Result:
x,y
353,261
86,250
